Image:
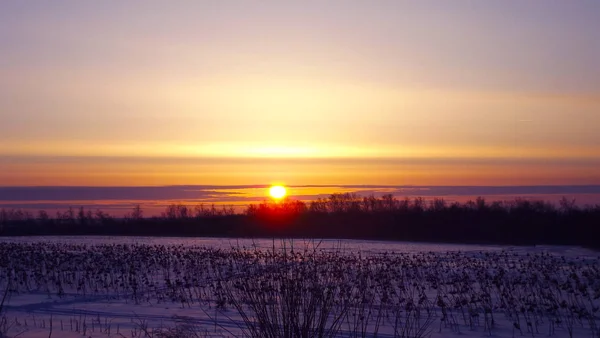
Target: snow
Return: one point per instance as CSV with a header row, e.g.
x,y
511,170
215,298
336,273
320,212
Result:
x,y
138,287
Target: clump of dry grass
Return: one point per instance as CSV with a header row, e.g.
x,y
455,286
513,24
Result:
x,y
294,296
324,294
185,327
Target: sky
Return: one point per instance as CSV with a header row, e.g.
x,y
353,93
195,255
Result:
x,y
389,92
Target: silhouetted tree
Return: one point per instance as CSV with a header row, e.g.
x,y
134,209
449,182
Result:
x,y
520,221
137,213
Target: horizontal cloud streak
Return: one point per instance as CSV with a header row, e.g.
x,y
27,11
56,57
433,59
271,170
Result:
x,y
216,194
451,160
110,193
162,171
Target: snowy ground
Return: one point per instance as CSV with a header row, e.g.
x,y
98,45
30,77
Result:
x,y
149,287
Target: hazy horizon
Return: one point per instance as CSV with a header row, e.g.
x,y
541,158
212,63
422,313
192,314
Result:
x,y
154,199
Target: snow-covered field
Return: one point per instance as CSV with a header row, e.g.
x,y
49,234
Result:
x,y
184,287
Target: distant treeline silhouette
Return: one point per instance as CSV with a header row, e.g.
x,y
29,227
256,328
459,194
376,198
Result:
x,y
520,221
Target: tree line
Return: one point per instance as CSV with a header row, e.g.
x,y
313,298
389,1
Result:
x,y
347,215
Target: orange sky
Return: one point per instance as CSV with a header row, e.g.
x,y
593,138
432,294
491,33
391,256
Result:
x,y
342,92
131,171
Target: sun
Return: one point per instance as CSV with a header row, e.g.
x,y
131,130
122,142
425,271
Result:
x,y
277,191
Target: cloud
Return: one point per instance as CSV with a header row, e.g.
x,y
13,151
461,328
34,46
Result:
x,y
242,192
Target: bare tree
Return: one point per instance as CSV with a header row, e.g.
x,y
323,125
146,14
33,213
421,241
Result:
x,y
137,213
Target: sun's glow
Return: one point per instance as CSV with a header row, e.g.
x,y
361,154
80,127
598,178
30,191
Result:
x,y
277,191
